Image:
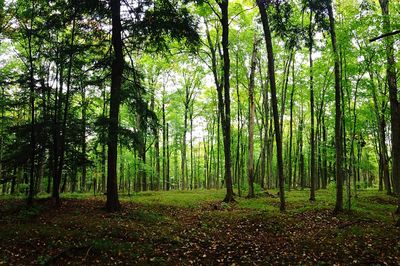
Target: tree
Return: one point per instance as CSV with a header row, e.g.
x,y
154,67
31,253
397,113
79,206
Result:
x,y
394,103
250,162
262,5
112,203
338,113
312,131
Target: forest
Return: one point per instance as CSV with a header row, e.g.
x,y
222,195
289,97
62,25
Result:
x,y
199,132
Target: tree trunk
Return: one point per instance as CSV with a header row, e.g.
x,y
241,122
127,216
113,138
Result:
x,y
32,103
112,203
338,116
84,144
224,101
394,103
312,138
271,74
265,119
252,109
164,184
290,173
167,178
191,148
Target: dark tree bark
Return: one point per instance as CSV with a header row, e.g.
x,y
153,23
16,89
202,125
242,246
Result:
x,y
271,75
224,101
103,147
338,116
112,203
394,103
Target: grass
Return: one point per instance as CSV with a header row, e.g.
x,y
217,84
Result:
x,y
185,199
195,227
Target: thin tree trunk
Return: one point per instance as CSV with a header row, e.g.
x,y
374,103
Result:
x,y
164,184
312,138
167,178
84,144
290,173
32,103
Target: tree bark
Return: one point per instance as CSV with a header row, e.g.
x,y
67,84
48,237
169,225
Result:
x,y
271,74
112,203
290,172
252,109
32,103
312,138
338,116
224,101
394,103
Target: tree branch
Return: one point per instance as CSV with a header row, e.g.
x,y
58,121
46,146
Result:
x,y
385,35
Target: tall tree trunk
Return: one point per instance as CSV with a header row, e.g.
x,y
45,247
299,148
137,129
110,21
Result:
x,y
112,203
142,151
185,128
84,144
381,138
224,102
191,147
338,116
218,147
265,119
2,140
324,155
32,103
157,157
239,128
312,138
394,103
271,75
164,158
290,172
301,155
167,178
252,109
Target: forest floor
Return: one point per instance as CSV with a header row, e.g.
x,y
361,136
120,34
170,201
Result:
x,y
194,227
